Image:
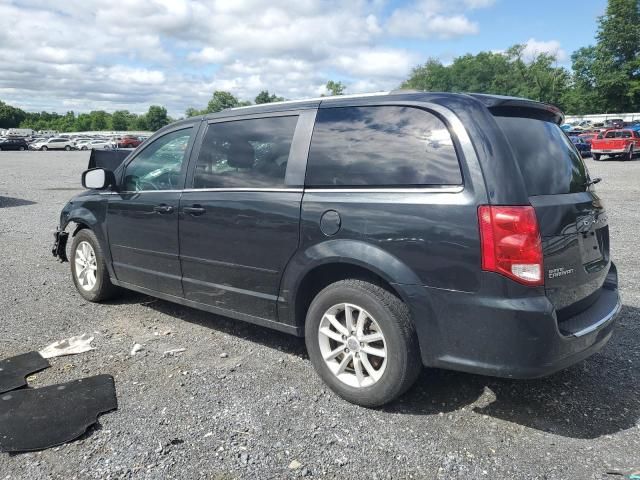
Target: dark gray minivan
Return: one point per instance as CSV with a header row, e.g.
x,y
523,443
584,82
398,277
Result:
x,y
391,230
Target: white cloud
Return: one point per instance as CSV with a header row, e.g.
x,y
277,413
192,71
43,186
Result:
x,y
105,54
208,55
435,18
376,63
533,47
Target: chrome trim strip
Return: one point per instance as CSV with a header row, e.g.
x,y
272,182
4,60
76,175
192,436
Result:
x,y
601,322
443,189
128,192
318,99
239,189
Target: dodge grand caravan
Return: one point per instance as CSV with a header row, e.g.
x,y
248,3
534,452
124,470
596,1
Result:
x,y
391,231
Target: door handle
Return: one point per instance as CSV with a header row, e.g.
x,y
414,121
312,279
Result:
x,y
194,210
162,208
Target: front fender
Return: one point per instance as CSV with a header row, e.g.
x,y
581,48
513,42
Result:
x,y
89,210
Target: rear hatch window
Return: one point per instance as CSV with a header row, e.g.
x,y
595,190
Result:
x,y
572,220
549,162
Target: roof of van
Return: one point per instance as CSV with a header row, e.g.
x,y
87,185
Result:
x,y
496,103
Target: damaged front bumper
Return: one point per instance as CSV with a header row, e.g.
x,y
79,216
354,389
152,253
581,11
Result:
x,y
59,249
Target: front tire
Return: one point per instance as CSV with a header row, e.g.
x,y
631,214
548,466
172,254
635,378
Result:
x,y
44,149
596,157
362,342
88,268
67,148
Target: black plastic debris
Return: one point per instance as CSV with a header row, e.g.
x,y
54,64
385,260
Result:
x,y
107,159
14,370
36,419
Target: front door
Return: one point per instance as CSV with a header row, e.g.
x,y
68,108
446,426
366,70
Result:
x,y
142,218
239,219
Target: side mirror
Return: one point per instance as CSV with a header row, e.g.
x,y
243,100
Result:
x,y
98,178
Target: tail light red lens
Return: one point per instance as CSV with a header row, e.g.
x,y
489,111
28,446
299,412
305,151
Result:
x,y
510,242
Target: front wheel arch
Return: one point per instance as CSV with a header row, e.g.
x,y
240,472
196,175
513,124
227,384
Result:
x,y
102,288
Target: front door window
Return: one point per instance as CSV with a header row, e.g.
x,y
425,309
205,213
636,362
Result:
x,y
159,166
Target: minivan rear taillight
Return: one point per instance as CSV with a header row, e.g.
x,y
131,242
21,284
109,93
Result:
x,y
510,242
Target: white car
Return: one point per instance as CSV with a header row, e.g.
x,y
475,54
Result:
x,y
53,144
97,144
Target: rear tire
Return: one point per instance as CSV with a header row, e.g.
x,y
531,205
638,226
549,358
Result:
x,y
374,361
88,268
629,155
21,149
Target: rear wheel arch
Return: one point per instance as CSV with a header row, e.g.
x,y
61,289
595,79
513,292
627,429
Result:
x,y
321,276
335,260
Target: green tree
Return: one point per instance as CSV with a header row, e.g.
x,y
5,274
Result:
x,y
100,120
506,73
140,123
157,117
11,117
264,97
221,100
191,112
83,122
66,123
120,120
335,88
616,65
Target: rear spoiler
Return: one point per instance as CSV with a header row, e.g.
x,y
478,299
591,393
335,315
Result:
x,y
107,159
521,107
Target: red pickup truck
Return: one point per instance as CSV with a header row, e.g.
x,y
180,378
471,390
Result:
x,y
613,143
129,141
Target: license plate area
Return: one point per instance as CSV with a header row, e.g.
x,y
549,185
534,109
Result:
x,y
590,246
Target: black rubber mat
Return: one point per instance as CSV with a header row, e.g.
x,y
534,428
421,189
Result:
x,y
14,370
35,419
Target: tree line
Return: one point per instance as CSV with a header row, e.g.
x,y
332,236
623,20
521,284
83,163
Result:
x,y
156,117
604,78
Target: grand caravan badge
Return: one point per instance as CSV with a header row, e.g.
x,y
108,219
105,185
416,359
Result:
x,y
560,272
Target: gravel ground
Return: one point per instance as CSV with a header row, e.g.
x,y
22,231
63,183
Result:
x,y
244,402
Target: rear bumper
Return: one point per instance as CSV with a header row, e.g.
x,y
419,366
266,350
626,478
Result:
x,y
513,337
616,151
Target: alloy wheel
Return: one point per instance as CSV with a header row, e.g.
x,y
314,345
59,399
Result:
x,y
86,266
352,345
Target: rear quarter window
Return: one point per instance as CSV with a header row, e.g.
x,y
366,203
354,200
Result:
x,y
548,161
381,146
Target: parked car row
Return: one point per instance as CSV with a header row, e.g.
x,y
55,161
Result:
x,y
623,143
615,139
13,144
588,125
64,142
